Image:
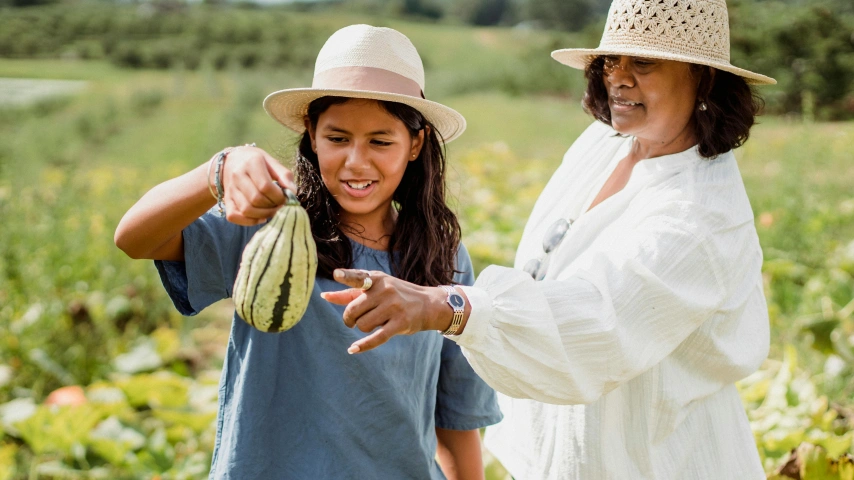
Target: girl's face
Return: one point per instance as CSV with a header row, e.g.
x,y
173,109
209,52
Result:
x,y
363,151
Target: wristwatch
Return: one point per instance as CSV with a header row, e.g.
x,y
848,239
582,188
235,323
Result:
x,y
458,303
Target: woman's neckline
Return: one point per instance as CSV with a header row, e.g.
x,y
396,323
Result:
x,y
641,169
630,139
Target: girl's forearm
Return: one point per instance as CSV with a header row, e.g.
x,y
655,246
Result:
x,y
152,227
459,454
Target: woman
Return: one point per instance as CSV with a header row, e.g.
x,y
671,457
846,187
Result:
x,y
370,172
636,301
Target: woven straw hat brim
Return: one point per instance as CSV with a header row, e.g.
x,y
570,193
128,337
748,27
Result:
x,y
289,107
580,57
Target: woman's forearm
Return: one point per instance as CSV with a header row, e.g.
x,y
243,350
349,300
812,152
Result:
x,y
152,227
459,454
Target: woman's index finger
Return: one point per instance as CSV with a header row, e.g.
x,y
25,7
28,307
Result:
x,y
351,277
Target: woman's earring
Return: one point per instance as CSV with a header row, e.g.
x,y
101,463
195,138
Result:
x,y
703,107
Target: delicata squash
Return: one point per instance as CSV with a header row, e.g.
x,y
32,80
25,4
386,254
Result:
x,y
277,270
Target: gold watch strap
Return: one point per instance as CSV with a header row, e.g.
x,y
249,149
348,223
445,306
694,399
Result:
x,y
458,312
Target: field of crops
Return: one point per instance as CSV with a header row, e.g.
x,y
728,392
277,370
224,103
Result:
x,y
74,311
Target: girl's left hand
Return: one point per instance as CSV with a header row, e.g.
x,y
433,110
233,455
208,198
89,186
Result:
x,y
391,306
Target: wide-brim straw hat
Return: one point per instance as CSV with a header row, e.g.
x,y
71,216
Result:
x,y
691,31
361,61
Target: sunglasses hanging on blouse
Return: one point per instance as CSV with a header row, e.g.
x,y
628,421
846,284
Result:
x,y
537,267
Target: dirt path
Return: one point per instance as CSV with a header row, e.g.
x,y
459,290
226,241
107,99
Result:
x,y
25,91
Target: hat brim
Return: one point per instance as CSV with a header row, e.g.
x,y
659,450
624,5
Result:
x,y
289,107
580,57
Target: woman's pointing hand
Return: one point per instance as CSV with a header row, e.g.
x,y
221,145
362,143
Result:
x,y
388,307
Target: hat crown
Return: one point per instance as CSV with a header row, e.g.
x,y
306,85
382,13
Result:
x,y
697,28
373,47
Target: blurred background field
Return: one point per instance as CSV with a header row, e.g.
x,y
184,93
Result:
x,y
99,102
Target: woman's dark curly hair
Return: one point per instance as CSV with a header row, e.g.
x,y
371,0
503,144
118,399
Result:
x,y
732,106
426,236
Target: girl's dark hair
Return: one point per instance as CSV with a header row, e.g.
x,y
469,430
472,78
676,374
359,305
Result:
x,y
426,236
732,106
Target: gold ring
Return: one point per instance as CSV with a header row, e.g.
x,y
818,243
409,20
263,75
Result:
x,y
368,283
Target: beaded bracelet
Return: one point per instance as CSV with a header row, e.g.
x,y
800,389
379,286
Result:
x,y
220,190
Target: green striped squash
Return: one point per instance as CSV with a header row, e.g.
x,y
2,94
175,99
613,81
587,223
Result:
x,y
277,271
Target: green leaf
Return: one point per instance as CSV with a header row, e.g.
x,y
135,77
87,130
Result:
x,y
198,422
815,464
114,441
835,445
821,332
7,461
168,342
161,389
159,456
55,429
781,441
846,467
811,462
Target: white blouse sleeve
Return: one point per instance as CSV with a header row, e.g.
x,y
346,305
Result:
x,y
631,303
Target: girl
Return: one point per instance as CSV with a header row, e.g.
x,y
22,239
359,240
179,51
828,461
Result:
x,y
370,172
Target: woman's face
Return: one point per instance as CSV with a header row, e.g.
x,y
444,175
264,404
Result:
x,y
363,151
650,99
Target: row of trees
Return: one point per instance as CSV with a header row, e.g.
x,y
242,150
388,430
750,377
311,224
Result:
x,y
572,15
569,15
807,47
151,38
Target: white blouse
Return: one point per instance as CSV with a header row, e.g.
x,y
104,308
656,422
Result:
x,y
621,363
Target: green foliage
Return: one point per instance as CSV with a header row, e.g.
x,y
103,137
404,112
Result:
x,y
805,220
155,37
421,8
132,427
572,15
67,311
484,12
786,410
813,462
75,311
230,39
809,50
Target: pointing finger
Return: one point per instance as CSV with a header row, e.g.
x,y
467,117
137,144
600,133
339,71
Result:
x,y
350,277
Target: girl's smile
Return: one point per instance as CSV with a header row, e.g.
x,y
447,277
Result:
x,y
359,188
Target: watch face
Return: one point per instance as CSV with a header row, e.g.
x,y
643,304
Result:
x,y
456,300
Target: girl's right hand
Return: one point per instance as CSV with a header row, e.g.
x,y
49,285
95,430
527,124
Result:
x,y
251,197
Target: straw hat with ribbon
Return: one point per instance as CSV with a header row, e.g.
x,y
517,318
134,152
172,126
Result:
x,y
361,61
691,31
